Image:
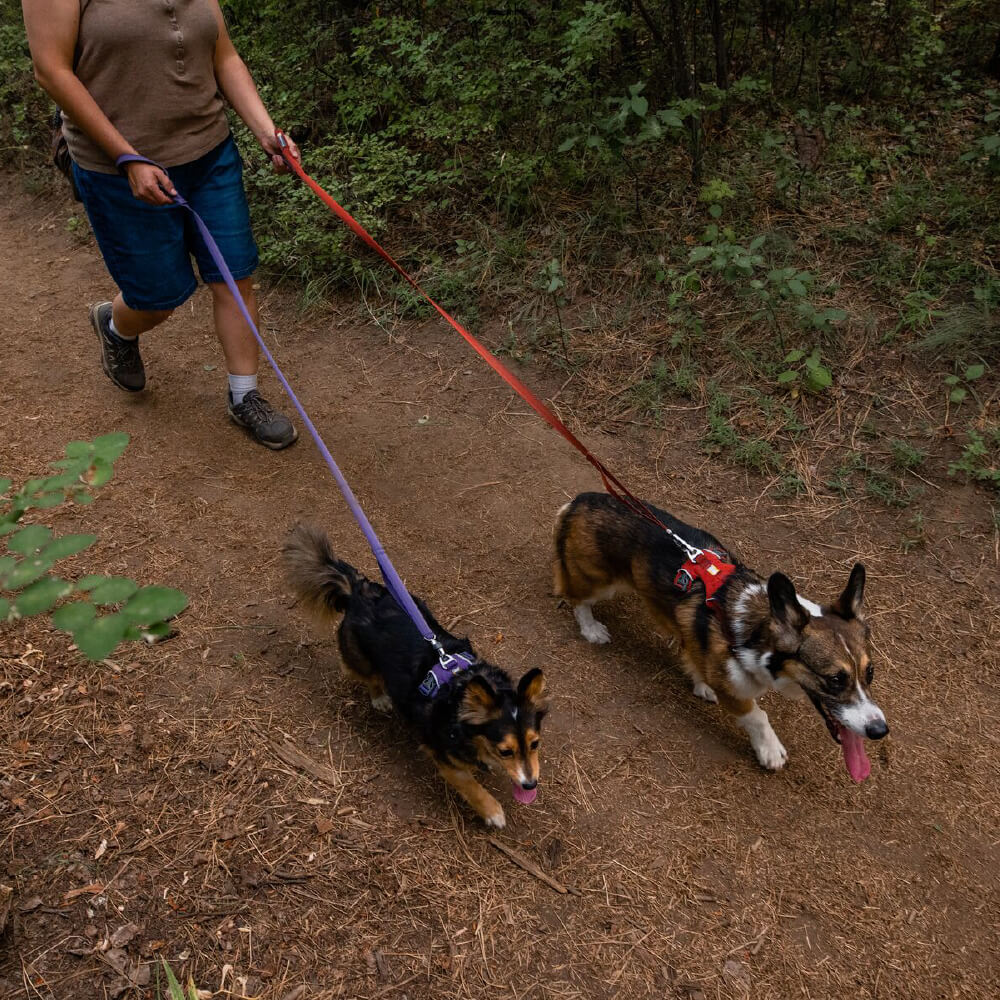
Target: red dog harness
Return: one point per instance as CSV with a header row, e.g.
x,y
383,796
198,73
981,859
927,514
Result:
x,y
705,565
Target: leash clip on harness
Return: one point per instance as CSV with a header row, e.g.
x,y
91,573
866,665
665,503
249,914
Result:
x,y
449,664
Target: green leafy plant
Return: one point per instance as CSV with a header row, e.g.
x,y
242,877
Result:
x,y
919,311
723,437
713,194
959,386
904,456
986,149
776,291
882,485
914,533
723,255
32,552
552,281
980,459
806,370
648,394
174,989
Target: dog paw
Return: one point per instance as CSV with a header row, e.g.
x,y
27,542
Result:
x,y
495,818
383,703
770,752
594,631
703,691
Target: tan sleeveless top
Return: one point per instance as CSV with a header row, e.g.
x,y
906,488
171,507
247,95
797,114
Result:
x,y
149,65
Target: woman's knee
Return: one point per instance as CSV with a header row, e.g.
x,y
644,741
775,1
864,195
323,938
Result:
x,y
220,290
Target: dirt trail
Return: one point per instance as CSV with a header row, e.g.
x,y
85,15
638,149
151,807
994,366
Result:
x,y
693,873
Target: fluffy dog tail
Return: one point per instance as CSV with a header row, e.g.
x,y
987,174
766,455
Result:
x,y
323,582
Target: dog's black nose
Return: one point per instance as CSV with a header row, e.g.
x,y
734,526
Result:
x,y
528,785
877,729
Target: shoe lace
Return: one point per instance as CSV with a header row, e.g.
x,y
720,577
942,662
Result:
x,y
256,409
121,353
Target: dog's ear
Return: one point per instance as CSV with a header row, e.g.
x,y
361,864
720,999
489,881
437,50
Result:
x,y
533,693
479,703
848,605
786,611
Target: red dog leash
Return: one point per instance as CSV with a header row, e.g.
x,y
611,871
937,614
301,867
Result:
x,y
702,564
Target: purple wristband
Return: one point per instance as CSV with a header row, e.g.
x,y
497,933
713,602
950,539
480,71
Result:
x,y
133,158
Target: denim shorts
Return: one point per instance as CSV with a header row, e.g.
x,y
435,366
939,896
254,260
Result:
x,y
148,248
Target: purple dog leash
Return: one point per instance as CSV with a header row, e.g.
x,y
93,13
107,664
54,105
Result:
x,y
449,664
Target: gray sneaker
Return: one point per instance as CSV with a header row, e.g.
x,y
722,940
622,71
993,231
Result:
x,y
266,425
119,358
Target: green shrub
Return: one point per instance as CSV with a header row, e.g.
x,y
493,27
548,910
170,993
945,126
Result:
x,y
980,459
33,551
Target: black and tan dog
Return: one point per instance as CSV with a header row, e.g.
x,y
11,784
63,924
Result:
x,y
768,638
477,722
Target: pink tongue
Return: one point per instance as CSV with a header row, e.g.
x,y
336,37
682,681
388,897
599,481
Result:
x,y
858,764
523,795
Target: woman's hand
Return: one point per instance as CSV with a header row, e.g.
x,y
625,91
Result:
x,y
270,145
150,184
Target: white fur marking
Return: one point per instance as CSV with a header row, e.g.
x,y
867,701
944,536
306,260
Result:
x,y
496,819
847,649
814,609
383,703
703,691
763,738
590,628
748,674
740,609
859,713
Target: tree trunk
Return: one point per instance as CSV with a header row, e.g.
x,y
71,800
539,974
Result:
x,y
686,87
721,57
993,66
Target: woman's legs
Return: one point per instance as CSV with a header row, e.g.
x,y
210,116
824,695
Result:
x,y
130,323
238,343
147,251
246,405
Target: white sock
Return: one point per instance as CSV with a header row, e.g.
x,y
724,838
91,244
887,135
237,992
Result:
x,y
114,330
240,385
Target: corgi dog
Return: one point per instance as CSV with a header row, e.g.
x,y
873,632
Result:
x,y
474,723
768,638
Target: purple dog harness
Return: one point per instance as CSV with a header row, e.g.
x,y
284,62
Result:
x,y
449,665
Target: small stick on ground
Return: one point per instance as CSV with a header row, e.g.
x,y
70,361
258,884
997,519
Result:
x,y
294,757
528,865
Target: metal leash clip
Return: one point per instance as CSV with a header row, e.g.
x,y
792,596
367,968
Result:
x,y
448,666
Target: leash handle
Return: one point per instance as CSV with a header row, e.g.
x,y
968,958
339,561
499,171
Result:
x,y
393,582
611,483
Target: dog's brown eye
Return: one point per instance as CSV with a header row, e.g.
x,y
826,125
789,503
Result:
x,y
534,744
506,752
869,674
839,680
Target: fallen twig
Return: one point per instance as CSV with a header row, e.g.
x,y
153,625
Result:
x,y
293,756
528,865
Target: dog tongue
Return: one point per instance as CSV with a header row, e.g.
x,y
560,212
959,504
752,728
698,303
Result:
x,y
858,764
523,795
